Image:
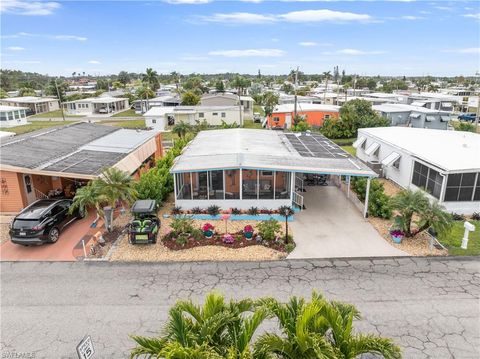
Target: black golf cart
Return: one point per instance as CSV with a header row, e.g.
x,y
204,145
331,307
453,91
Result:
x,y
145,224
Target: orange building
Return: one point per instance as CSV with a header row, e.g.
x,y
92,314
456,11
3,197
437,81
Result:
x,y
55,162
314,114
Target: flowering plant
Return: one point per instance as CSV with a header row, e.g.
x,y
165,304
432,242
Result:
x,y
248,229
228,238
207,227
396,233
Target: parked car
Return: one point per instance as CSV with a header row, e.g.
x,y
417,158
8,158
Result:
x,y
42,222
467,117
257,118
103,110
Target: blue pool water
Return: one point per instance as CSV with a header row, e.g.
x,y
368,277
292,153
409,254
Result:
x,y
237,217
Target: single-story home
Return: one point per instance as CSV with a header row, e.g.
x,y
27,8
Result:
x,y
33,104
96,105
444,163
228,99
413,116
11,116
142,106
241,168
161,117
56,161
314,114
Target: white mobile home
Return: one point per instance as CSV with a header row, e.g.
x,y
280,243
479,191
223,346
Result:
x,y
33,104
11,116
96,106
444,163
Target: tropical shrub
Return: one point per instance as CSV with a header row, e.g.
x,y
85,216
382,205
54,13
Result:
x,y
236,210
218,329
379,204
176,210
457,216
213,210
196,210
476,216
269,229
253,211
301,126
463,126
181,225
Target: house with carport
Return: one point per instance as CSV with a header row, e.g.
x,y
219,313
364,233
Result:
x,y
96,106
314,114
33,104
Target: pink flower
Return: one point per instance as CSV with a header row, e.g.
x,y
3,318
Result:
x,y
228,238
207,227
248,228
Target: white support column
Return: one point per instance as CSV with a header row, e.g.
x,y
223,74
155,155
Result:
x,y
274,183
241,184
223,178
365,209
292,185
191,185
348,186
258,184
175,185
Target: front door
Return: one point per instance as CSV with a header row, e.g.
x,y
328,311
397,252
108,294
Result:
x,y
288,121
29,190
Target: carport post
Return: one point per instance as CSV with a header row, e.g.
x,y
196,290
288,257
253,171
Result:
x,y
365,209
348,186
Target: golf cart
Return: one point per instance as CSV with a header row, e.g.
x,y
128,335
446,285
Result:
x,y
145,224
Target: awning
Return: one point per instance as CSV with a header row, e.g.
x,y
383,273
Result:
x,y
415,115
390,159
447,104
359,142
445,118
430,118
372,149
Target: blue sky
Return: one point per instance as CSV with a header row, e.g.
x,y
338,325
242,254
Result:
x,y
439,38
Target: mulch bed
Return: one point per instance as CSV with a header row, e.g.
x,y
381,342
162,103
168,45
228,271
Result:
x,y
217,240
110,238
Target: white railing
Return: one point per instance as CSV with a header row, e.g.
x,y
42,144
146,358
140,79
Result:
x,y
299,183
39,195
297,199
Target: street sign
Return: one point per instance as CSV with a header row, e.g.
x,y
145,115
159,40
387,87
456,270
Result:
x,y
85,348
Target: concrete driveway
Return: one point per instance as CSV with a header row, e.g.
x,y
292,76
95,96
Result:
x,y
62,250
332,227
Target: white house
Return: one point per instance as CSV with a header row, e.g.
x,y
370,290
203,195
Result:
x,y
11,116
413,116
228,99
33,104
444,163
96,105
160,117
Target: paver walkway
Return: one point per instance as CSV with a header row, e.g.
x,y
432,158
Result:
x,y
332,227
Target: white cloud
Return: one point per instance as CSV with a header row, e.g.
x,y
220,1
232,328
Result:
x,y
324,16
94,62
355,52
15,48
443,8
308,43
468,50
70,37
474,16
248,53
32,8
412,17
240,18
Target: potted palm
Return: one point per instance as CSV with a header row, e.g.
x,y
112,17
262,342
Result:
x,y
207,229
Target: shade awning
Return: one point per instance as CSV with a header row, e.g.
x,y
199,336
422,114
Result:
x,y
445,118
430,118
415,115
372,149
359,142
390,159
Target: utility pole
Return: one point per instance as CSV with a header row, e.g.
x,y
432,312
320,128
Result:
x,y
477,115
295,93
60,99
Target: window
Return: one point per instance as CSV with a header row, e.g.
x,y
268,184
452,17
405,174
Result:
x,y
428,179
154,121
282,185
276,119
215,114
215,184
224,114
201,115
249,184
3,116
232,184
461,187
266,173
326,117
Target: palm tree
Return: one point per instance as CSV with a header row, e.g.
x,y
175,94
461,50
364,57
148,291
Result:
x,y
116,185
286,211
87,197
407,203
181,129
327,77
215,330
435,217
318,329
240,83
151,78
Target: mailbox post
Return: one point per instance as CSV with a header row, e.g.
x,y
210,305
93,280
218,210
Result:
x,y
468,228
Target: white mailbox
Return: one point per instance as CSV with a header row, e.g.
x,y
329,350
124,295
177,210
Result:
x,y
468,228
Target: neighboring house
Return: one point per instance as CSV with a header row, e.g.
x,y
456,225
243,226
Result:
x,y
435,101
96,106
390,97
160,117
342,99
413,116
285,99
243,168
142,106
314,114
33,104
59,160
444,163
228,99
11,116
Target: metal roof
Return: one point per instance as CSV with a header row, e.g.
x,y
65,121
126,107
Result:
x,y
264,149
11,108
305,107
28,99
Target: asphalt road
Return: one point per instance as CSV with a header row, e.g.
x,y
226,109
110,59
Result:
x,y
429,306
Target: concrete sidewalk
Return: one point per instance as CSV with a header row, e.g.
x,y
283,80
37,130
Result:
x,y
332,227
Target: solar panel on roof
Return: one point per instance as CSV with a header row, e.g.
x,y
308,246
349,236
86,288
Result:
x,y
315,145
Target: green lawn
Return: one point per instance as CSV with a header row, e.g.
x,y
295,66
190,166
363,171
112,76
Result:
x,y
344,141
259,109
453,240
350,149
53,114
37,125
251,124
140,123
128,113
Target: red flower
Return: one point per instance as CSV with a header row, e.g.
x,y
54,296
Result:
x,y
248,228
207,227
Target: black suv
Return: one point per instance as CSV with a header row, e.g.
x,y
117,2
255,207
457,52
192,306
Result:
x,y
42,222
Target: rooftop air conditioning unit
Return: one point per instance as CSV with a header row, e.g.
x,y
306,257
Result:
x,y
376,166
